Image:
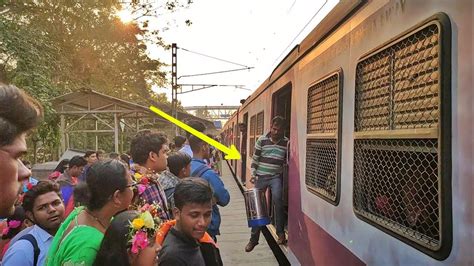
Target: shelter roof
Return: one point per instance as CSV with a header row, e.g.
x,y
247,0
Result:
x,y
87,100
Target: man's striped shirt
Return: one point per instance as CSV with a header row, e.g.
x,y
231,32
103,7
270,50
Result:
x,y
269,157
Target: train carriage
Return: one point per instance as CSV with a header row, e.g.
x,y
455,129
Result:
x,y
378,100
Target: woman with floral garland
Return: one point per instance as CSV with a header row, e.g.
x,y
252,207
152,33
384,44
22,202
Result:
x,y
129,240
78,239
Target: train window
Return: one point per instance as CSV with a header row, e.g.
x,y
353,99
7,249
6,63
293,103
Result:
x,y
252,139
259,129
256,130
322,142
399,180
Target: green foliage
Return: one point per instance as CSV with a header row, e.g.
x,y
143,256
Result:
x,y
51,47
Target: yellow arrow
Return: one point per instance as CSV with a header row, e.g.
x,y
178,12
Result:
x,y
232,152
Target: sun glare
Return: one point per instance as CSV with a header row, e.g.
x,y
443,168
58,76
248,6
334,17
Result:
x,y
125,15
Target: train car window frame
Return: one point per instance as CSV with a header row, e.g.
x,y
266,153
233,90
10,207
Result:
x,y
256,129
252,140
402,137
323,137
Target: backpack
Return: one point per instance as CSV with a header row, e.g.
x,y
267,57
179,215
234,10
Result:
x,y
200,170
36,251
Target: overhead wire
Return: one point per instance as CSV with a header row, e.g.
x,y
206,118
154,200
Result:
x,y
213,57
297,35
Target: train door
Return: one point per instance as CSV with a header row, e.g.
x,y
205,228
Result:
x,y
243,147
281,105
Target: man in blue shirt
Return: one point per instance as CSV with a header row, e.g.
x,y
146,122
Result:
x,y
43,206
199,168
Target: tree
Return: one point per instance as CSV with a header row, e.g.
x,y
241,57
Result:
x,y
52,47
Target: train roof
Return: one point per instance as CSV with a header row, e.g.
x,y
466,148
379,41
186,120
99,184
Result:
x,y
337,16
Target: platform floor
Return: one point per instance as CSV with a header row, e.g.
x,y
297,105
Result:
x,y
235,233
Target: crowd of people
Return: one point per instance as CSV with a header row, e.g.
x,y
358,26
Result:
x,y
151,206
158,204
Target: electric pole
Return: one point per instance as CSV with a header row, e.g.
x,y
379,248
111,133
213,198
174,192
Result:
x,y
174,83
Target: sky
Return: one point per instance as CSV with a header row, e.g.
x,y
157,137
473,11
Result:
x,y
257,34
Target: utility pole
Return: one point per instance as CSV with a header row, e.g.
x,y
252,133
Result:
x,y
174,83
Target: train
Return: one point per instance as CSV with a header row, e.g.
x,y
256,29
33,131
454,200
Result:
x,y
378,104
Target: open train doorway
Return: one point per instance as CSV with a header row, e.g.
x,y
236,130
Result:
x,y
281,106
243,148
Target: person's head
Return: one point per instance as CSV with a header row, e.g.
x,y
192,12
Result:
x,y
100,155
179,163
200,148
43,206
15,223
193,206
278,127
91,157
63,165
76,165
179,142
110,185
199,126
81,194
243,127
115,246
114,156
27,164
19,113
150,149
125,158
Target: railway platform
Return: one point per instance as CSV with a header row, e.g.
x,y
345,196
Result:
x,y
235,233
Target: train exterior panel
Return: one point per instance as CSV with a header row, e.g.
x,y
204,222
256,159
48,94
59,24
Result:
x,y
421,212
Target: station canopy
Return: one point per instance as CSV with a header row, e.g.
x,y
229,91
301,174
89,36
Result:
x,y
87,113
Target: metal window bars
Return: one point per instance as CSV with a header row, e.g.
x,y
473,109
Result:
x,y
396,147
321,173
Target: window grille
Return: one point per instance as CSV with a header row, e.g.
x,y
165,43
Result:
x,y
260,124
397,160
252,139
324,100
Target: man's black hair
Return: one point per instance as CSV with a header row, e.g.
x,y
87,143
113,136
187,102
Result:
x,y
77,161
279,121
196,125
113,155
177,161
192,190
89,153
195,143
144,142
62,165
179,141
19,113
37,190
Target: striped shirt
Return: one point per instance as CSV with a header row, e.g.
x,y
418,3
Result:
x,y
269,157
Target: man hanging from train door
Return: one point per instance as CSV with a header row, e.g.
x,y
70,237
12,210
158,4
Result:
x,y
266,170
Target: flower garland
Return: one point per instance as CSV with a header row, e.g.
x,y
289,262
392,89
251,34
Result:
x,y
12,224
142,181
143,227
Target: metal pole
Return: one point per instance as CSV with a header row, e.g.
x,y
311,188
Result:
x,y
174,83
96,136
63,136
116,138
